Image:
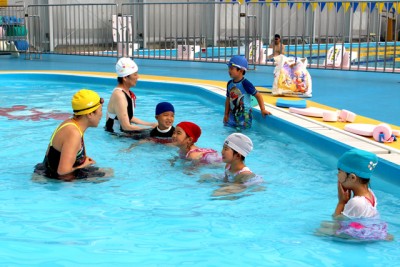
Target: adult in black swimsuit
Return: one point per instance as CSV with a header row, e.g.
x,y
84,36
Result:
x,y
66,157
121,107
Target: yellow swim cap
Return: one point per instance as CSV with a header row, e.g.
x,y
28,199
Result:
x,y
85,101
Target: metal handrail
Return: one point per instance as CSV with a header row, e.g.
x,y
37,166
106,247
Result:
x,y
215,31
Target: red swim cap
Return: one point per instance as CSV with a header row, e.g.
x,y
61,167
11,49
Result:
x,y
191,130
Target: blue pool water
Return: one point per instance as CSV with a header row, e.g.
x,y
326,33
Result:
x,y
210,52
151,213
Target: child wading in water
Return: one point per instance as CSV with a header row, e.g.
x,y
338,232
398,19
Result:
x,y
238,109
162,134
165,115
356,211
185,136
236,147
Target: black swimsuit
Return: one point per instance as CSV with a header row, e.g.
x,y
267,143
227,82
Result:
x,y
137,135
51,160
110,121
162,137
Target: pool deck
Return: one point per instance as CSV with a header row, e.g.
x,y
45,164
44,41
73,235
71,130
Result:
x,y
374,97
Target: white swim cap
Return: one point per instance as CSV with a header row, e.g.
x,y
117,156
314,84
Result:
x,y
240,143
125,67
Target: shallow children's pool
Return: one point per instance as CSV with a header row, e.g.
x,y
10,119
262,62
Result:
x,y
152,213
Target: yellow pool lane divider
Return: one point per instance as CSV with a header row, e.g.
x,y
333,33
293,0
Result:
x,y
380,53
364,51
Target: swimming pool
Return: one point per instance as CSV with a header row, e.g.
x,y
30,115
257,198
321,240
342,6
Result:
x,y
152,213
372,54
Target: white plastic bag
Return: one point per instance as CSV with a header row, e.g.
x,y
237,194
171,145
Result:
x,y
291,77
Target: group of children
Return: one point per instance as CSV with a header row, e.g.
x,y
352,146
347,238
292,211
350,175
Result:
x,y
356,199
238,114
185,135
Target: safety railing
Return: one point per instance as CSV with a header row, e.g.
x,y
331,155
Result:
x,y
83,29
13,33
348,35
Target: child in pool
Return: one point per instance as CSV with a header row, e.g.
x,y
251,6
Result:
x,y
238,109
165,114
185,136
236,147
357,215
162,134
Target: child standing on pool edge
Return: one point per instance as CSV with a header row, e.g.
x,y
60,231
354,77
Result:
x,y
356,201
238,110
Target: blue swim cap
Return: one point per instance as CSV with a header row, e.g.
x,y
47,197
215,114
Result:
x,y
164,107
357,161
239,62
